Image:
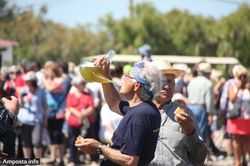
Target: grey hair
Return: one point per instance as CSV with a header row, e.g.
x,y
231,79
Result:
x,y
153,75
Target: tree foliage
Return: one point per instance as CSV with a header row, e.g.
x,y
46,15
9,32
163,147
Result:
x,y
174,32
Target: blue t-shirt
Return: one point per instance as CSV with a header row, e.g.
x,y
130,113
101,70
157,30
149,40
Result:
x,y
137,132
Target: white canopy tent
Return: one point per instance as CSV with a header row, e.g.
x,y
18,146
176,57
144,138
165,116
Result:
x,y
128,58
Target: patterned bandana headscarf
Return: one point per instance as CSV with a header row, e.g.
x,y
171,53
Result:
x,y
136,73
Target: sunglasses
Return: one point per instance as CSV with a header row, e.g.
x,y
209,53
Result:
x,y
243,76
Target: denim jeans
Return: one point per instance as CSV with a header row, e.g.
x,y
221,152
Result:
x,y
201,117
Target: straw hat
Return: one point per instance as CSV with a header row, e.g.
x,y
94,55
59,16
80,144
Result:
x,y
173,71
167,69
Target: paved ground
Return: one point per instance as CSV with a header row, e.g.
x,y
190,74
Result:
x,y
228,161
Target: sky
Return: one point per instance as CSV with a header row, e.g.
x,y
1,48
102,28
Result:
x,y
75,12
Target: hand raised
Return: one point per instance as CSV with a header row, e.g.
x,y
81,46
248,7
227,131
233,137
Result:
x,y
184,119
104,64
11,104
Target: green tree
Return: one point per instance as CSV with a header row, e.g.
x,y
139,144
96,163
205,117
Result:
x,y
6,11
174,32
233,32
145,26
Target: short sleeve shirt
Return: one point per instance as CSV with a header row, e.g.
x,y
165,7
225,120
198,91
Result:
x,y
80,103
137,132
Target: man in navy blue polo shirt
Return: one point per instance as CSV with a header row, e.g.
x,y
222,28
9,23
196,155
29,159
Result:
x,y
134,140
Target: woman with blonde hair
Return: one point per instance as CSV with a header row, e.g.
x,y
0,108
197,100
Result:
x,y
238,114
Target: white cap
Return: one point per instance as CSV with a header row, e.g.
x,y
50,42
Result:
x,y
30,76
77,80
181,66
13,69
204,67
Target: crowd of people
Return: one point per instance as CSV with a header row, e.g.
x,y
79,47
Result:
x,y
152,113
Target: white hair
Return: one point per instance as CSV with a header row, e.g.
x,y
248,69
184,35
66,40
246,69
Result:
x,y
153,75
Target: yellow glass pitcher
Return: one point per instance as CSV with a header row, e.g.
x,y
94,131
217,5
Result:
x,y
91,73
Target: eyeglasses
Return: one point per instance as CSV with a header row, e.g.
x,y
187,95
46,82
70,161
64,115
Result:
x,y
168,81
126,76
